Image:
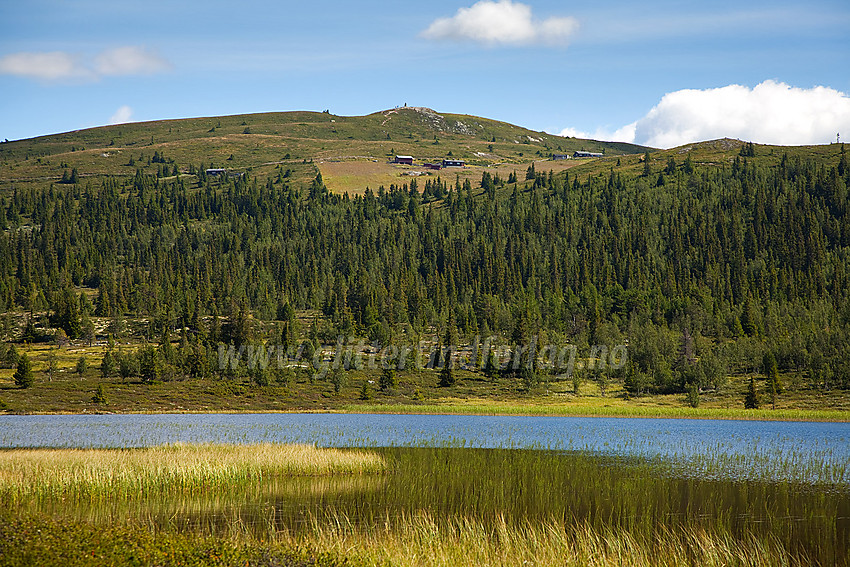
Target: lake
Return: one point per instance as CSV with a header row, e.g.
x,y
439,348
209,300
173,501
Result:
x,y
784,482
755,450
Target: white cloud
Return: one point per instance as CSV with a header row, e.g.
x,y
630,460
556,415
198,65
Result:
x,y
63,66
50,66
770,113
129,60
624,134
122,115
501,22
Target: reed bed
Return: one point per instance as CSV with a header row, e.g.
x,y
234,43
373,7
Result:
x,y
164,469
421,539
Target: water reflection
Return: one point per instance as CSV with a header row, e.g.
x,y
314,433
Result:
x,y
630,493
720,449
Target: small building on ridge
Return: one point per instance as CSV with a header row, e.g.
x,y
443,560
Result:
x,y
582,153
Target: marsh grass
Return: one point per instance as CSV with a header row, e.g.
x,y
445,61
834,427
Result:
x,y
418,539
162,470
436,506
424,539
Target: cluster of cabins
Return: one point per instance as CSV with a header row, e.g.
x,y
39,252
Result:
x,y
576,154
408,160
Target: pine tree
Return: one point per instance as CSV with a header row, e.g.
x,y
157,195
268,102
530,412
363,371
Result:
x,y
491,365
337,378
23,373
150,366
751,400
388,380
82,365
366,391
748,319
692,396
631,382
286,315
771,372
108,365
100,395
447,376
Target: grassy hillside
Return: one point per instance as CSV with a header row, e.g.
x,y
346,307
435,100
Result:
x,y
712,154
299,140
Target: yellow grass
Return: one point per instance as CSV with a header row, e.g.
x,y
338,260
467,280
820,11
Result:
x,y
94,473
422,540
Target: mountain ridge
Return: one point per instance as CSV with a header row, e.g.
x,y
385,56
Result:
x,y
309,142
261,141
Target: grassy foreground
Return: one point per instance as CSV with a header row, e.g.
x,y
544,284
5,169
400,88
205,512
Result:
x,y
424,540
325,536
420,540
111,473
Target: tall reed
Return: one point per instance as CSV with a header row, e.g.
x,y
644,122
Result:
x,y
422,539
111,473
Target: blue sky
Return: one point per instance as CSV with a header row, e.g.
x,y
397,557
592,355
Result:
x,y
662,73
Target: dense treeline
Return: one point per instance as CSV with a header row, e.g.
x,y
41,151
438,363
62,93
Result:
x,y
701,268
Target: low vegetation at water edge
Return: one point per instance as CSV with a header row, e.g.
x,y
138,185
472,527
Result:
x,y
420,540
110,473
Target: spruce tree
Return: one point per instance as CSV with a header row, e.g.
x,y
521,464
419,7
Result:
x,y
748,319
771,372
108,365
23,373
447,377
82,365
365,391
150,365
100,395
388,380
751,400
491,365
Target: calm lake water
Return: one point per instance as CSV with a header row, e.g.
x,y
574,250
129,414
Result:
x,y
782,482
765,450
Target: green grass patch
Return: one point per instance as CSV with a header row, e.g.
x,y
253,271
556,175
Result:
x,y
47,541
623,409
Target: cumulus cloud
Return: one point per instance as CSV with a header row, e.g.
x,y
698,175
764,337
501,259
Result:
x,y
63,66
624,134
501,22
122,115
770,113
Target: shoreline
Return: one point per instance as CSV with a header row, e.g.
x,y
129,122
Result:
x,y
513,410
